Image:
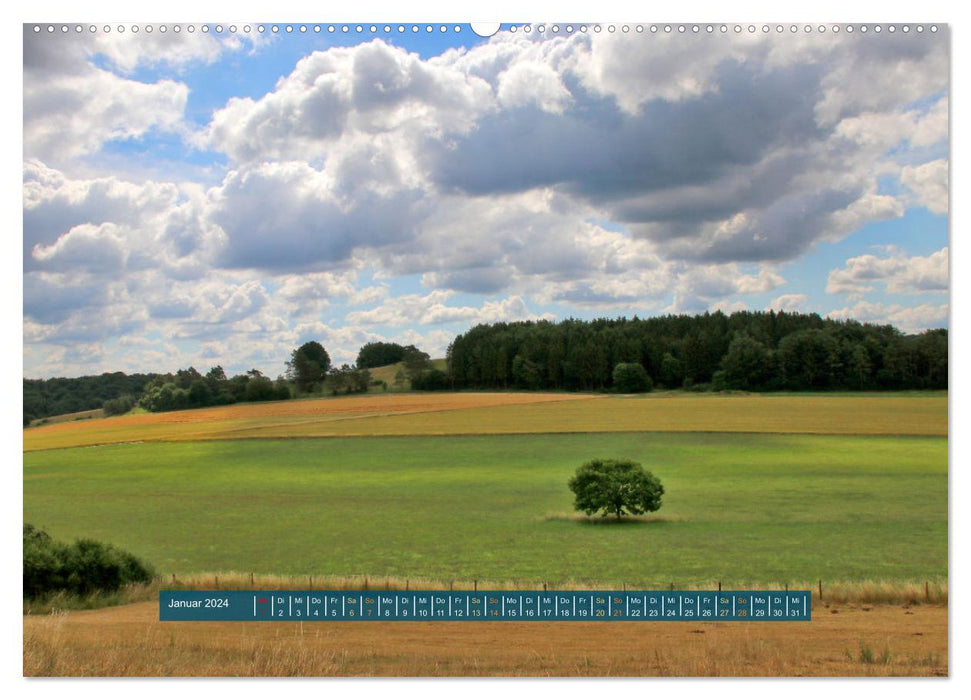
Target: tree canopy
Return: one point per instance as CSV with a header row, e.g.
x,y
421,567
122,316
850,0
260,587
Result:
x,y
618,486
747,350
308,366
377,354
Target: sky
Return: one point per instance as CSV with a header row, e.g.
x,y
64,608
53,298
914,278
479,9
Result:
x,y
221,197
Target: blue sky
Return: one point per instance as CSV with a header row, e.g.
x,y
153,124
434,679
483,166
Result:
x,y
201,199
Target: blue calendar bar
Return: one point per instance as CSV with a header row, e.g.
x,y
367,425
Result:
x,y
457,606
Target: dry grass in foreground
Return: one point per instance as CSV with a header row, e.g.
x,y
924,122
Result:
x,y
844,640
837,592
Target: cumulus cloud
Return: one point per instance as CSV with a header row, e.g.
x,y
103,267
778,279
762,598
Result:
x,y
130,50
289,216
62,121
789,302
95,248
138,225
372,88
928,182
717,150
432,309
912,319
701,288
897,274
588,171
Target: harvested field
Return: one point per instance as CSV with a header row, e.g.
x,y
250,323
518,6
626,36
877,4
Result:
x,y
514,413
841,640
293,418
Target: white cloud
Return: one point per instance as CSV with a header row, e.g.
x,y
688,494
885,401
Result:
x,y
908,319
789,302
128,51
928,182
533,84
372,88
701,288
288,216
94,248
72,114
932,127
432,309
897,274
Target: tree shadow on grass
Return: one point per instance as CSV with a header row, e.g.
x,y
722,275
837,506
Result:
x,y
610,519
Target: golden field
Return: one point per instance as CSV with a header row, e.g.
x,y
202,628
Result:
x,y
514,413
841,640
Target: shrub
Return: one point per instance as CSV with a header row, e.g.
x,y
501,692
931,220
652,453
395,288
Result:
x,y
631,378
82,567
430,380
119,406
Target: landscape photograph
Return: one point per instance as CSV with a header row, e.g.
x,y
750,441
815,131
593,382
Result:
x,y
529,307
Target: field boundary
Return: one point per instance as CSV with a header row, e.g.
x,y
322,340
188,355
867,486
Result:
x,y
926,592
237,438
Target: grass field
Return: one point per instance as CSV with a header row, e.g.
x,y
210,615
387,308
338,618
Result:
x,y
511,413
739,507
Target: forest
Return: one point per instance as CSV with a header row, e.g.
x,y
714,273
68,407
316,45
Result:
x,y
750,351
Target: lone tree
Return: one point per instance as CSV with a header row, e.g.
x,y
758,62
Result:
x,y
618,486
308,366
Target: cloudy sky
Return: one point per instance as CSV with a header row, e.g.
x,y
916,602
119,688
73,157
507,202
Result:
x,y
219,198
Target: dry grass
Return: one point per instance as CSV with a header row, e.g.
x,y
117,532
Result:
x,y
68,417
837,593
130,641
514,413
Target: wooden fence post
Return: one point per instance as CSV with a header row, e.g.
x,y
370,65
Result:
x,y
475,585
927,591
820,589
251,578
719,585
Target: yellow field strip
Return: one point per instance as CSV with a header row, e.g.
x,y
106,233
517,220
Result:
x,y
129,640
220,422
464,414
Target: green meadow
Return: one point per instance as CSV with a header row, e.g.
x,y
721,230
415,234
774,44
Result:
x,y
739,507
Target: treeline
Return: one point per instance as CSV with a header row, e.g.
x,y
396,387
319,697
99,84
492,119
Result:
x,y
187,388
53,397
755,351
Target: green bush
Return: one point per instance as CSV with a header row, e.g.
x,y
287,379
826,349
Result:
x,y
431,380
82,567
119,406
631,378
